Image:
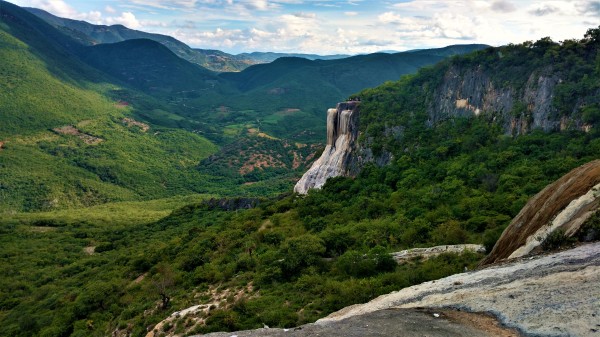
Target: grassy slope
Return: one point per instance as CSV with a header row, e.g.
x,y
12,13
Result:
x,y
44,86
26,83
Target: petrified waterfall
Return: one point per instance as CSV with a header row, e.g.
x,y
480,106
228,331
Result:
x,y
342,131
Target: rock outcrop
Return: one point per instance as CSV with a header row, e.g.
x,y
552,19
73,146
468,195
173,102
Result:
x,y
340,150
429,252
471,92
552,295
563,205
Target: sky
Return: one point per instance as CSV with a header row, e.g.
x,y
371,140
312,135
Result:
x,y
337,26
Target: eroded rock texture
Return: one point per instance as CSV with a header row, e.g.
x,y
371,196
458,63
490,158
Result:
x,y
467,92
549,295
342,132
565,204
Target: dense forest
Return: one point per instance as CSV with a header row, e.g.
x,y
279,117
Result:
x,y
289,260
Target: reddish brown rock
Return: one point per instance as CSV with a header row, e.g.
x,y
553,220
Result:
x,y
564,204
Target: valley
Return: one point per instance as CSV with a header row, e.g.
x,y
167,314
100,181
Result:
x,y
147,187
191,112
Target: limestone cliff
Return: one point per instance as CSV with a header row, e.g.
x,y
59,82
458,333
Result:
x,y
516,88
466,92
340,150
565,204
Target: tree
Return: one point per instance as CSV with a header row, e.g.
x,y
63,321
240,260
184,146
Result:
x,y
163,282
301,252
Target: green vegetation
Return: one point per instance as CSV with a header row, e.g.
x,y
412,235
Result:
x,y
293,259
126,266
72,138
557,239
123,213
63,104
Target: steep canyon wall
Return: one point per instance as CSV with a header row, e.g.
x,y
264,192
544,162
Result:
x,y
472,92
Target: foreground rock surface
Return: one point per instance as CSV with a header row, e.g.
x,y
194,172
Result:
x,y
551,295
391,322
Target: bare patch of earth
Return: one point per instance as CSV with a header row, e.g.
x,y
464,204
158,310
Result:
x,y
89,250
71,130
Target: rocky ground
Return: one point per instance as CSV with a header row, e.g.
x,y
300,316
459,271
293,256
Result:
x,y
549,295
393,322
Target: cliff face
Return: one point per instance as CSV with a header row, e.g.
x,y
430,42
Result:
x,y
565,204
518,88
342,133
471,92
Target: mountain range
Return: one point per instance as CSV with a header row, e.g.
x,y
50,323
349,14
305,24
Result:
x,y
216,60
73,80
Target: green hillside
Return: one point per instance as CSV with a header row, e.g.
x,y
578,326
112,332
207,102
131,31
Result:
x,y
308,87
263,91
348,74
64,108
90,34
66,142
293,259
149,66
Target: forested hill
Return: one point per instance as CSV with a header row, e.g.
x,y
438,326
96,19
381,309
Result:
x,y
90,34
511,90
457,178
490,94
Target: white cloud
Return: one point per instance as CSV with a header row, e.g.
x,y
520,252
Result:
x,y
260,5
503,6
126,19
338,26
56,7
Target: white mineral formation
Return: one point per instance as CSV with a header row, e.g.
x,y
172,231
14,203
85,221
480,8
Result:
x,y
552,295
342,131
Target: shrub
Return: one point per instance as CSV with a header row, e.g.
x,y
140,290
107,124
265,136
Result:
x,y
556,240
